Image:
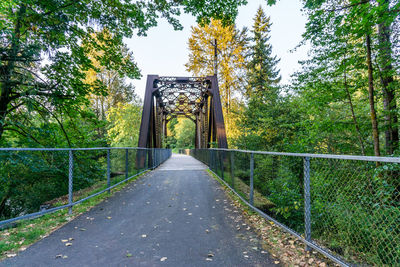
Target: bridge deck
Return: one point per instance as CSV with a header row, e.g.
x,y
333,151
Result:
x,y
176,215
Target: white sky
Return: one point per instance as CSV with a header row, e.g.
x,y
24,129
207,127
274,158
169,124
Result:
x,y
165,51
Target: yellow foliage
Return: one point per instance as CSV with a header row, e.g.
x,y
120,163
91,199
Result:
x,y
124,122
231,45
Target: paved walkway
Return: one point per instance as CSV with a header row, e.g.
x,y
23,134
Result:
x,y
176,215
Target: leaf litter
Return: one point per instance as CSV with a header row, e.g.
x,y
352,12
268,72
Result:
x,y
283,247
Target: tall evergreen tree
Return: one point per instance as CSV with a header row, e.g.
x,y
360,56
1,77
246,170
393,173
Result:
x,y
266,113
263,75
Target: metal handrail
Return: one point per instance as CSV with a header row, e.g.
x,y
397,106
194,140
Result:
x,y
324,156
73,149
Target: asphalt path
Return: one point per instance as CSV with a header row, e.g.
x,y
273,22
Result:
x,y
176,215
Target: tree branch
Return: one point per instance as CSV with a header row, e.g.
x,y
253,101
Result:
x,y
348,6
58,121
15,107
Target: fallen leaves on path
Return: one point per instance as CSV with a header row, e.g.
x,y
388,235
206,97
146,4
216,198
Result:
x,y
286,249
61,256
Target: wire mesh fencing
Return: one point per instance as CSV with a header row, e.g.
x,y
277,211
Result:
x,y
36,181
346,207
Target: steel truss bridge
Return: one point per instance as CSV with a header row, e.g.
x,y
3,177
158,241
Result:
x,y
196,98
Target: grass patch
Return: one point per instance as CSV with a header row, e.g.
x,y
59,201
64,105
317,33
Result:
x,y
260,201
243,190
26,232
232,195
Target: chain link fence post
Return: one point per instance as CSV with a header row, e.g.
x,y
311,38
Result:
x,y
70,180
153,157
210,159
251,197
126,164
108,170
307,201
149,158
221,160
215,160
232,170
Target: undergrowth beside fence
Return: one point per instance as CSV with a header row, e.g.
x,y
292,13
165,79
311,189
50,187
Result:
x,y
31,179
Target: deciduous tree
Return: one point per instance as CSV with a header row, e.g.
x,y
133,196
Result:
x,y
231,48
44,45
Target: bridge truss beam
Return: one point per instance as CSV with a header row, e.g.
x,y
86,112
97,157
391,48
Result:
x,y
196,98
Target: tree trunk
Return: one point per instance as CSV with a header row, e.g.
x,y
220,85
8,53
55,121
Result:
x,y
360,139
389,102
3,204
374,122
6,88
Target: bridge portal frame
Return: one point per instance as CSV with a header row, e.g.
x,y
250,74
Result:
x,y
196,98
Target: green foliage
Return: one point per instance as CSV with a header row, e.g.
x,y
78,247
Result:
x,y
171,140
63,66
332,84
262,75
268,118
185,133
47,47
30,178
327,110
124,124
226,11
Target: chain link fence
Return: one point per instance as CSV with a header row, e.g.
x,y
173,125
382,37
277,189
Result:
x,y
36,181
346,207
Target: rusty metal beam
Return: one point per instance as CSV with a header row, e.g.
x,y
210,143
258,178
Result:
x,y
144,134
218,115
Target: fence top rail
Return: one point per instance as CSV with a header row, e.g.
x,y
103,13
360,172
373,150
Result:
x,y
72,149
324,156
